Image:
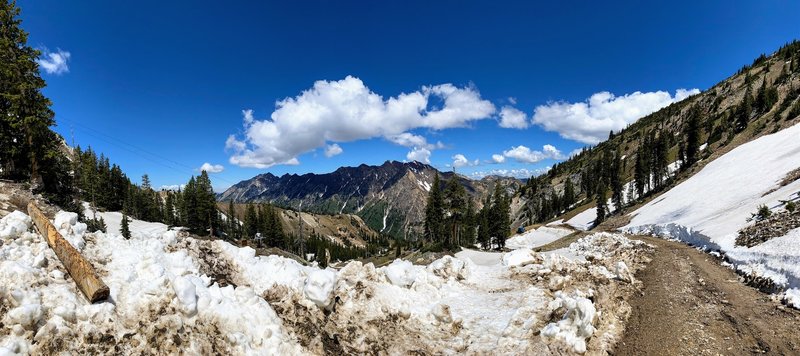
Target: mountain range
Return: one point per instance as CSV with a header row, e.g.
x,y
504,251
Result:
x,y
390,198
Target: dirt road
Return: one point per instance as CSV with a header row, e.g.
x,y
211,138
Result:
x,y
691,305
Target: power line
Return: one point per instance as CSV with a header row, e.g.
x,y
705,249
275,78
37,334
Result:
x,y
168,163
128,144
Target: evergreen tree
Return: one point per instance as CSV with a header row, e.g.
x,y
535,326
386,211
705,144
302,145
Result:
x,y
616,182
743,111
233,223
275,236
692,134
434,213
659,161
250,222
456,201
206,206
602,208
169,209
146,182
569,194
124,230
640,175
761,96
192,217
30,150
470,221
500,219
484,233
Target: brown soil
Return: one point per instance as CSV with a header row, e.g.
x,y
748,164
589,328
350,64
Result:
x,y
692,305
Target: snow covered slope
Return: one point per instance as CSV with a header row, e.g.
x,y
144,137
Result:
x,y
709,208
583,220
171,293
538,237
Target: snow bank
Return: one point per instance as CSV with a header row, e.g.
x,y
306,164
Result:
x,y
14,224
576,326
709,208
68,226
173,294
792,297
537,237
520,258
319,285
160,300
449,267
583,220
400,273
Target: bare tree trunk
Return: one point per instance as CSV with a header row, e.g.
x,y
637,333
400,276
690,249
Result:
x,y
79,268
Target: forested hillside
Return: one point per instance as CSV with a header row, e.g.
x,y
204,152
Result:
x,y
670,144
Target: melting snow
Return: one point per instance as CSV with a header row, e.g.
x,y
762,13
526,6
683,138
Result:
x,y
709,208
537,237
172,293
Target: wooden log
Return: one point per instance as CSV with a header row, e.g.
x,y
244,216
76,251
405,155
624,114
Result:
x,y
78,267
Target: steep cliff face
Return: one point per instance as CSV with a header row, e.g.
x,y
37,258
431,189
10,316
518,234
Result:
x,y
390,198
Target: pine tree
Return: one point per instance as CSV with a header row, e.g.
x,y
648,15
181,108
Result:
x,y
640,175
743,111
124,230
469,224
500,219
616,181
192,217
456,201
761,96
602,209
434,213
660,161
484,234
30,150
569,194
169,209
250,222
232,221
692,134
206,206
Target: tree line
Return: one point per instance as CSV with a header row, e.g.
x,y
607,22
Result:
x,y
105,186
451,220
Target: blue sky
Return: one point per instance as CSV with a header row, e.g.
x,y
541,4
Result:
x,y
163,87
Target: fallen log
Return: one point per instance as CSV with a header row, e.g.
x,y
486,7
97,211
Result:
x,y
78,267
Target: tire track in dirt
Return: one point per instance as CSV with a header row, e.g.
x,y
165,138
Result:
x,y
692,305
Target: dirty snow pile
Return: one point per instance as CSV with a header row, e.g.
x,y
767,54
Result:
x,y
709,208
521,302
536,238
171,293
161,301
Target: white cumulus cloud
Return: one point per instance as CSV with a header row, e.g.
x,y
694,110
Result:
x,y
54,62
347,110
419,154
590,121
516,173
460,160
211,168
526,155
497,158
333,150
513,118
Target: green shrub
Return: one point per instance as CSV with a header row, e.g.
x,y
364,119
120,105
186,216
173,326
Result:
x,y
762,213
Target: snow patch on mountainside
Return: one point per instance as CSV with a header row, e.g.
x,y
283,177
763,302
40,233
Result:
x,y
710,208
